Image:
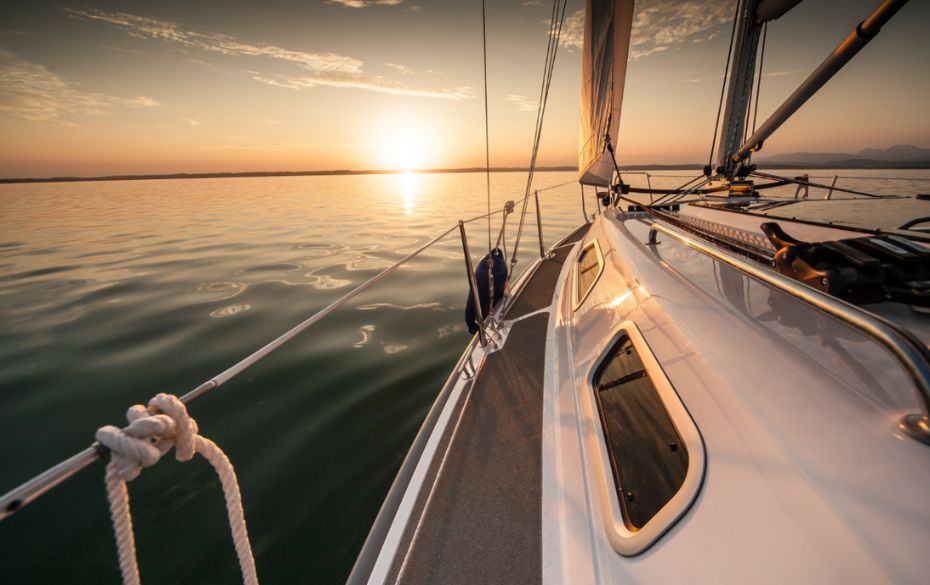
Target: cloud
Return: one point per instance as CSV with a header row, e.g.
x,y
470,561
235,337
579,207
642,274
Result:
x,y
784,73
32,92
523,103
659,25
364,3
150,28
573,31
17,33
192,122
379,84
402,69
325,69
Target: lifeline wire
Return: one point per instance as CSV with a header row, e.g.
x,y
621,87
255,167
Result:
x,y
22,495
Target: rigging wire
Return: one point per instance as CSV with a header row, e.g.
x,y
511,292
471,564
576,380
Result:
x,y
808,183
723,87
555,32
487,139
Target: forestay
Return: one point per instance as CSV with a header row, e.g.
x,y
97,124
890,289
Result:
x,y
607,29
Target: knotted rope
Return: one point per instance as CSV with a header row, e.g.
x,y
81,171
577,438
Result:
x,y
151,433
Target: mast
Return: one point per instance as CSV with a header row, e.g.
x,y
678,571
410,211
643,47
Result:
x,y
751,15
852,44
739,91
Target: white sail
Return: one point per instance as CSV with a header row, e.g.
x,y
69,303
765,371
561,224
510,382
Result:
x,y
607,29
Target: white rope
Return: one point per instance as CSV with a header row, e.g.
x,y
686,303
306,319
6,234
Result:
x,y
151,433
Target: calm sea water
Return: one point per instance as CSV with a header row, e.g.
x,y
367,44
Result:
x,y
112,292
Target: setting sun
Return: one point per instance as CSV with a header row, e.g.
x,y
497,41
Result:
x,y
406,145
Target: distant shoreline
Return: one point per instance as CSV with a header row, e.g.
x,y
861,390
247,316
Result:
x,y
248,174
340,172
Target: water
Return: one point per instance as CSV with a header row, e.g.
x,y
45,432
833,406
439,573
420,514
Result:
x,y
111,292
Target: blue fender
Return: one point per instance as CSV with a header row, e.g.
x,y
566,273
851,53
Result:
x,y
499,270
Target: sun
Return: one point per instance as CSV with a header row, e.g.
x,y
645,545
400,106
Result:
x,y
406,145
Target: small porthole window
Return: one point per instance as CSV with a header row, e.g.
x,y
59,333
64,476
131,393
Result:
x,y
646,458
588,269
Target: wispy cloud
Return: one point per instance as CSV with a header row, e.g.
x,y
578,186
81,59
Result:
x,y
523,103
325,69
32,92
402,69
192,122
659,25
379,84
784,73
16,33
271,145
573,31
150,28
364,3
116,49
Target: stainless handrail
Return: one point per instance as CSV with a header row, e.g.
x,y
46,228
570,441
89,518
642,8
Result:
x,y
542,247
910,351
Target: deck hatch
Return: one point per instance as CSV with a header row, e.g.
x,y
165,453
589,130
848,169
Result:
x,y
588,268
648,457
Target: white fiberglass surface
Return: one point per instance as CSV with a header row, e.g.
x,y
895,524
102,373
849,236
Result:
x,y
808,480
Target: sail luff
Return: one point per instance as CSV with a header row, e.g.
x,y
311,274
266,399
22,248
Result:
x,y
608,24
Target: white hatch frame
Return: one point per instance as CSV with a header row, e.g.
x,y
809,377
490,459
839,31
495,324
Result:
x,y
600,270
625,541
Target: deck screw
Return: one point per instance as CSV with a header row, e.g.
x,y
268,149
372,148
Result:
x,y
629,496
673,446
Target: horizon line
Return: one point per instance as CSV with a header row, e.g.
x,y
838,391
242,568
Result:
x,y
340,172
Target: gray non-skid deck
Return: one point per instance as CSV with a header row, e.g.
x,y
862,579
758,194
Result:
x,y
538,292
482,522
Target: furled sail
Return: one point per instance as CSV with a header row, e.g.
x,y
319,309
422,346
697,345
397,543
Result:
x,y
607,27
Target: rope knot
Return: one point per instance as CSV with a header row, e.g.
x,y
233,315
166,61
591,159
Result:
x,y
151,433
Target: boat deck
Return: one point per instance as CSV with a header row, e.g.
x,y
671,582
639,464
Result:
x,y
481,520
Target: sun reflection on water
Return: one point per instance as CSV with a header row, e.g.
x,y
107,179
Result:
x,y
409,183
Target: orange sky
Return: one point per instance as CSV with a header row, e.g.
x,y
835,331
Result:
x,y
365,84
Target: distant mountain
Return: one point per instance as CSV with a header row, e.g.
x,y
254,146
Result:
x,y
899,155
898,152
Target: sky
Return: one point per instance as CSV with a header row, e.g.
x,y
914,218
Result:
x,y
131,87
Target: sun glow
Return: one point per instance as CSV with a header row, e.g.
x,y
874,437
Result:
x,y
407,145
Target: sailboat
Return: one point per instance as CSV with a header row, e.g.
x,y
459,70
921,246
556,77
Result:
x,y
681,389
